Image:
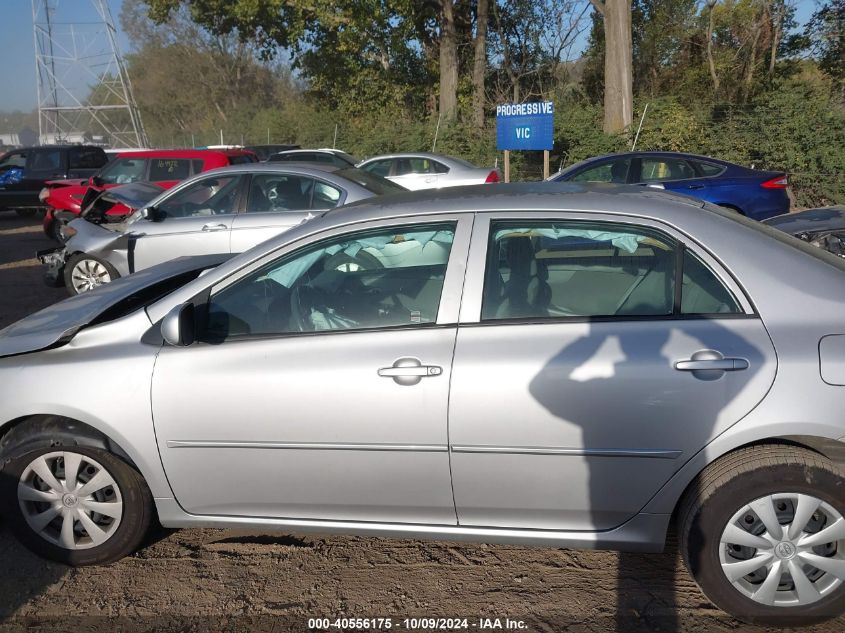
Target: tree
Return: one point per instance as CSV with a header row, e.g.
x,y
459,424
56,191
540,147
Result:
x,y
826,34
618,64
448,61
479,66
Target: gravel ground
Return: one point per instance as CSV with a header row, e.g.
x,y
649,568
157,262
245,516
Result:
x,y
224,580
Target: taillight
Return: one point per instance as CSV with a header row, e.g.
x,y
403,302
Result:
x,y
779,182
493,176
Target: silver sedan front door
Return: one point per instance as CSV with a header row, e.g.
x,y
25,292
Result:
x,y
195,220
321,385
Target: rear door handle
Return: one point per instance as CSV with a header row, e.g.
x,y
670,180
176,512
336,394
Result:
x,y
695,187
708,364
409,371
215,227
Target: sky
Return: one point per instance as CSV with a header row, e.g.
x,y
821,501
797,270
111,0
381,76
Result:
x,y
17,50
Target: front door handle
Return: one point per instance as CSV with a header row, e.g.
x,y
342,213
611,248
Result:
x,y
215,227
708,364
695,187
409,371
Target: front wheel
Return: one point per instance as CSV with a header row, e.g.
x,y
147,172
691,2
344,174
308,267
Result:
x,y
85,272
763,534
75,505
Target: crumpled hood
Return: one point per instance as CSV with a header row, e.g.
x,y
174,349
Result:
x,y
810,221
57,324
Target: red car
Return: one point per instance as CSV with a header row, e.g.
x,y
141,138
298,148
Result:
x,y
163,167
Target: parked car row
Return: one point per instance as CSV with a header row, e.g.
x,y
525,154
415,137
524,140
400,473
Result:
x,y
557,364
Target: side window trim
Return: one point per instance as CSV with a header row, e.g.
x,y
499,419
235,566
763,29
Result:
x,y
477,259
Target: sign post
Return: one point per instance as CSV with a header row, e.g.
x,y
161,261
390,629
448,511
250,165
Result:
x,y
525,126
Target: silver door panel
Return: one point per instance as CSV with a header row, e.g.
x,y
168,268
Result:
x,y
249,229
162,241
285,397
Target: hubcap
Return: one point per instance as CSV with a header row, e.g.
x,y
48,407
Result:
x,y
87,274
785,549
70,500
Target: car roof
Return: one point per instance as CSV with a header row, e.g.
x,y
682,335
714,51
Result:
x,y
431,155
516,197
297,167
181,153
663,154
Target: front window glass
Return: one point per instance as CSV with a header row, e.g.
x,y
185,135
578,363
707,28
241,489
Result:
x,y
279,192
206,197
17,159
613,171
124,170
577,269
382,278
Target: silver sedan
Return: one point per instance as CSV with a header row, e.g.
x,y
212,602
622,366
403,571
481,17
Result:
x,y
423,170
225,210
544,364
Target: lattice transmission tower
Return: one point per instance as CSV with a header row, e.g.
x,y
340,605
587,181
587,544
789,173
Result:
x,y
84,92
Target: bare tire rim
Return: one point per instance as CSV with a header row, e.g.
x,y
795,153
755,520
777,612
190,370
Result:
x,y
87,274
784,550
70,500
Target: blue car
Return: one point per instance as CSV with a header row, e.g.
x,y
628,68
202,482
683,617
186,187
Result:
x,y
751,192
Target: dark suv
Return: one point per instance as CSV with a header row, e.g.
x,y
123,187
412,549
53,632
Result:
x,y
23,172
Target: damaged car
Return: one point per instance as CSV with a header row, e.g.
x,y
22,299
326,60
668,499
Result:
x,y
226,210
823,227
549,364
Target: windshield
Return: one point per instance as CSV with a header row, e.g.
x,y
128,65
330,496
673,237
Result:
x,y
370,181
122,171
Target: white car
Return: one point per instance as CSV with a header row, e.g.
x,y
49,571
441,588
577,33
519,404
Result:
x,y
424,170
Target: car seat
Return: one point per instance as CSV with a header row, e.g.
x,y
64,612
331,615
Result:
x,y
526,293
619,171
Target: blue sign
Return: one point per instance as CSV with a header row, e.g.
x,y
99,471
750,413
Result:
x,y
525,126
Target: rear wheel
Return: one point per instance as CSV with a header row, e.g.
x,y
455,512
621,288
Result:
x,y
763,534
75,505
85,272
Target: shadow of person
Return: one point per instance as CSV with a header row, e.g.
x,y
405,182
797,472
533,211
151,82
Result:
x,y
640,419
25,576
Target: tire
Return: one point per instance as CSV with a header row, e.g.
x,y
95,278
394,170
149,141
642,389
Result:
x,y
781,479
125,494
85,272
55,231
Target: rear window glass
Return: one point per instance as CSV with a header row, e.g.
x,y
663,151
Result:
x,y
370,181
87,158
709,169
169,169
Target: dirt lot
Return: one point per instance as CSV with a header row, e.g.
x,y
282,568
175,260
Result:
x,y
211,579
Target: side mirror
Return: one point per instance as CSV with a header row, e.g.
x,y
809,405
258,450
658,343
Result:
x,y
178,326
150,213
97,181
